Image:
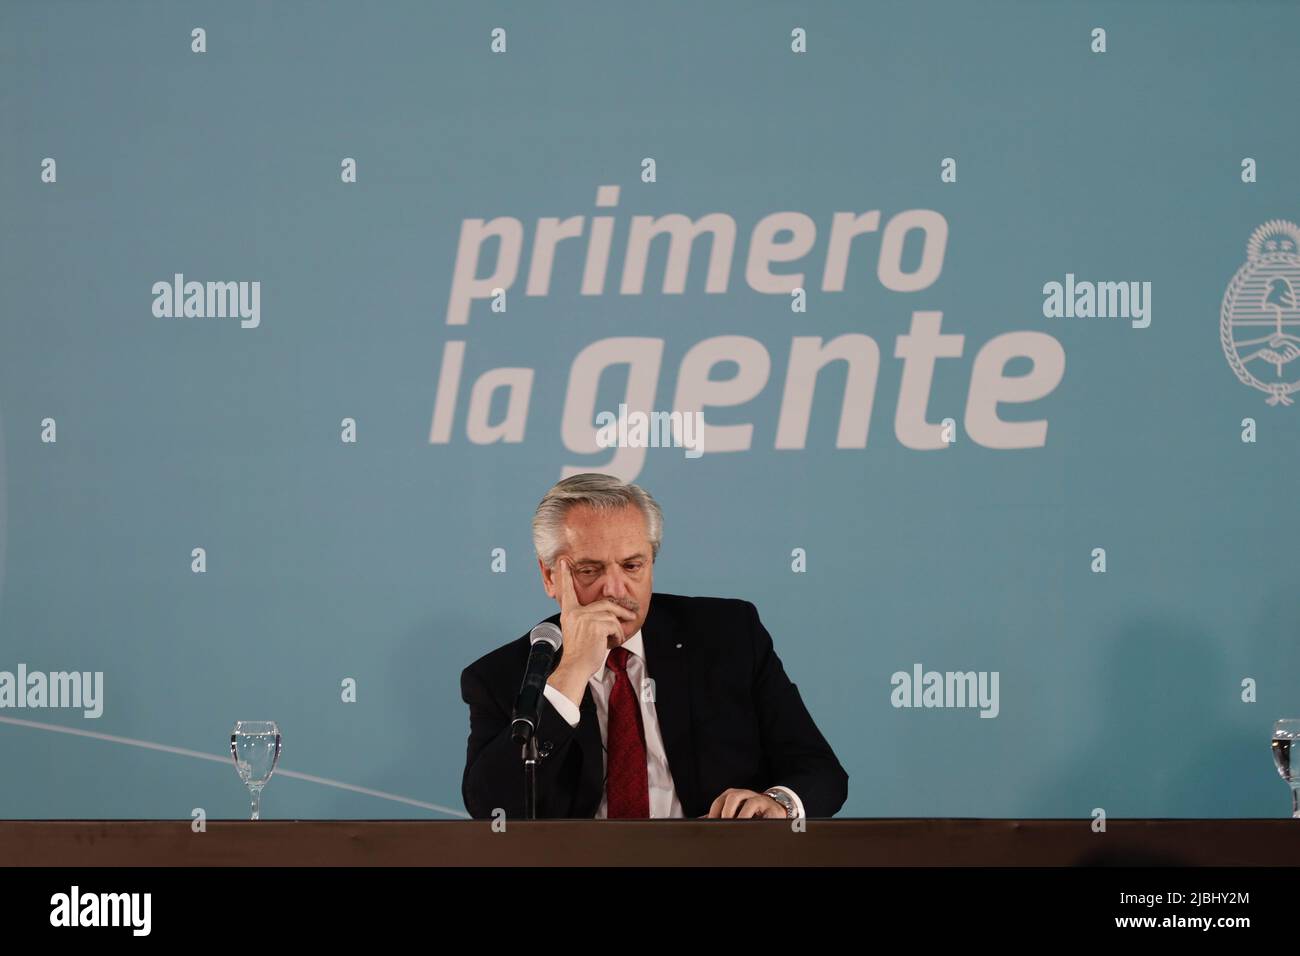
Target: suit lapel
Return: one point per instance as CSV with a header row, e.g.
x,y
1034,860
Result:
x,y
666,664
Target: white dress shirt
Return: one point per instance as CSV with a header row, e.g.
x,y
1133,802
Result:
x,y
663,795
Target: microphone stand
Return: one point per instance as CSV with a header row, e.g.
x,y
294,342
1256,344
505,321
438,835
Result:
x,y
530,777
525,734
529,704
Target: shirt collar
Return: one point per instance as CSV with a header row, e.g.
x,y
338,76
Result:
x,y
634,645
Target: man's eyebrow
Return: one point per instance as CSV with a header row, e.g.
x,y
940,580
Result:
x,y
636,557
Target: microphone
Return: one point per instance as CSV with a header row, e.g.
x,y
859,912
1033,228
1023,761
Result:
x,y
546,641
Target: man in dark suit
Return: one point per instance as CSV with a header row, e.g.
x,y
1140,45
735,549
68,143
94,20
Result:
x,y
660,705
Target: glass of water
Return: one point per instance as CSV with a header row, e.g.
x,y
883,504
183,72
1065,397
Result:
x,y
1286,733
255,745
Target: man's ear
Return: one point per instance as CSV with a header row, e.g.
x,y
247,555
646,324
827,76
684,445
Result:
x,y
548,580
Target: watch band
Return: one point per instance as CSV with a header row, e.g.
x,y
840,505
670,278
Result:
x,y
783,798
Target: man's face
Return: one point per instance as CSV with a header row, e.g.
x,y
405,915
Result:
x,y
610,555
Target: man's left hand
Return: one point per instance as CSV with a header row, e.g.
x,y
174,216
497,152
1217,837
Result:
x,y
744,805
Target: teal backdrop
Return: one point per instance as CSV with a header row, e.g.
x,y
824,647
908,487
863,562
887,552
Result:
x,y
374,560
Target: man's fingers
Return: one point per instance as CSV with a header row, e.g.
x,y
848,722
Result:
x,y
738,804
725,805
610,625
617,609
733,803
568,597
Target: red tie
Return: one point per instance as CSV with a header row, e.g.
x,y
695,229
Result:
x,y
627,789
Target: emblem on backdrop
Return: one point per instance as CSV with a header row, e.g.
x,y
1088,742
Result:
x,y
1260,317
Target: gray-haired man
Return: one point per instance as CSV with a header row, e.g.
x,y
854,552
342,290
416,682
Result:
x,y
660,705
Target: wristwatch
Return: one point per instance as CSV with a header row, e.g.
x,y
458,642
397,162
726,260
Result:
x,y
783,798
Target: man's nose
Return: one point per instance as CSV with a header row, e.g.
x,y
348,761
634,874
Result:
x,y
614,585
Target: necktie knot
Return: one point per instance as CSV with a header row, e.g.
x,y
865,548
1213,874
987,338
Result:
x,y
617,660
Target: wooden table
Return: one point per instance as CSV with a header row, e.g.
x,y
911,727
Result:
x,y
838,842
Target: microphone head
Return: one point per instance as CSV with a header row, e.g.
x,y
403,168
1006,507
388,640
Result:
x,y
548,632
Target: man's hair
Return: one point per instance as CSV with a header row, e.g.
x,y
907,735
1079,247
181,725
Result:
x,y
601,492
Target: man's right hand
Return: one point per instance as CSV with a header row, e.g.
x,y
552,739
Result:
x,y
589,631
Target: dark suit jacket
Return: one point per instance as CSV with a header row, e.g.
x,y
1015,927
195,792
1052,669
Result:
x,y
729,715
